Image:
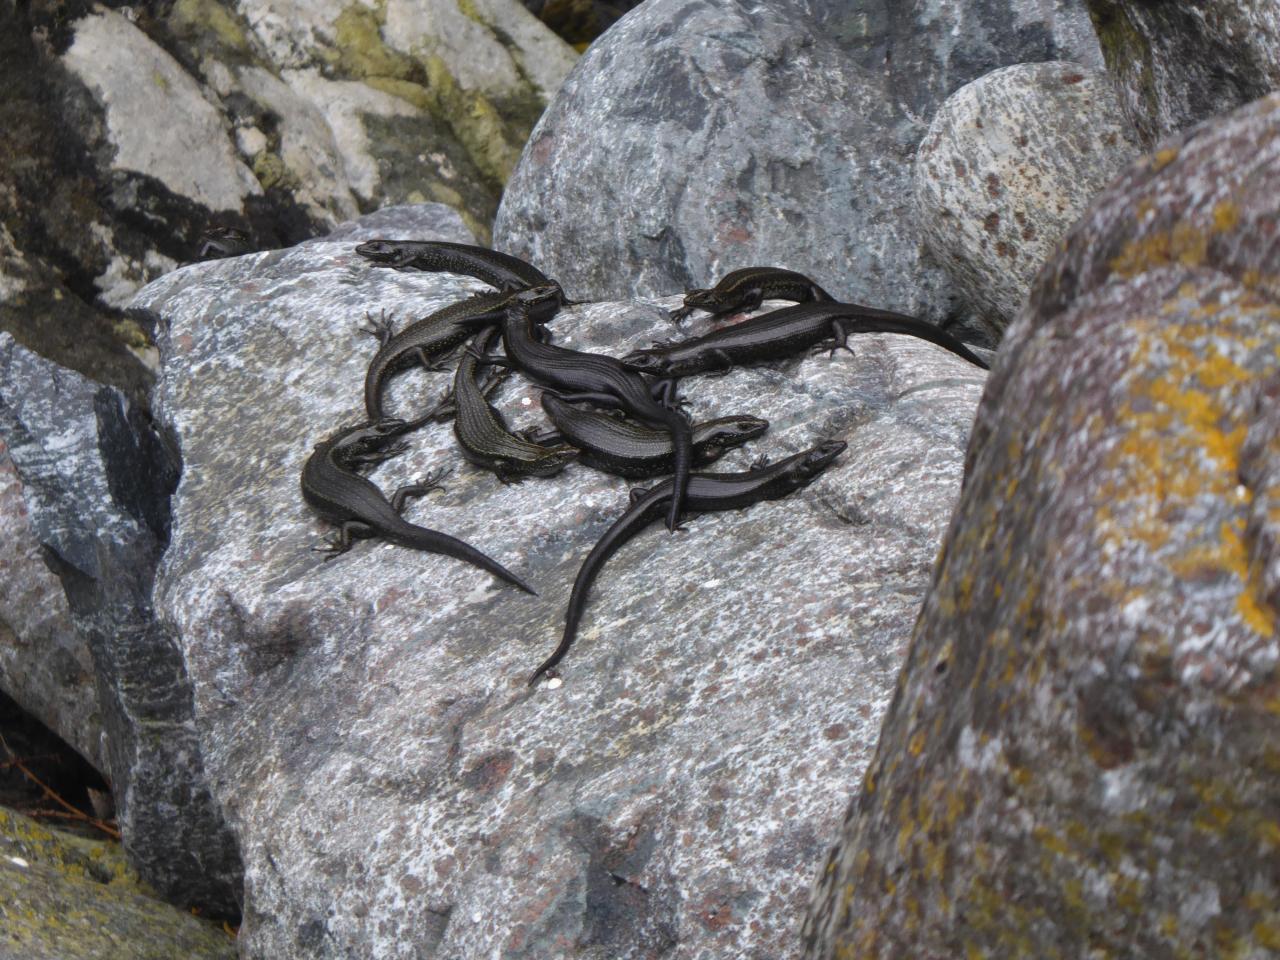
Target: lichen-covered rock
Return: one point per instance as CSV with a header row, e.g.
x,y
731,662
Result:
x,y
62,896
95,480
698,137
1081,757
1178,62
1009,163
397,788
45,665
130,131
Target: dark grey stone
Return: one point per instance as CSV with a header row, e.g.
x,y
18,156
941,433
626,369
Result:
x,y
698,137
96,477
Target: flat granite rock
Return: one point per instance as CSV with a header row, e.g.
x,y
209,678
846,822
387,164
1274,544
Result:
x,y
1178,62
397,788
1009,163
95,482
700,136
1081,756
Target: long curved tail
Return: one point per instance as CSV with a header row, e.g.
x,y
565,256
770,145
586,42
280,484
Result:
x,y
913,328
624,528
432,541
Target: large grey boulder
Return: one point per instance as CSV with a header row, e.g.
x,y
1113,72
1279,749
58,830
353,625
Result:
x,y
1009,163
64,897
697,137
1178,62
95,479
396,787
45,666
1081,758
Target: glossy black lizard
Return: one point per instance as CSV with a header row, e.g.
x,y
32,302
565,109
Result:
x,y
499,270
594,378
623,447
783,333
334,490
707,492
433,336
484,436
747,288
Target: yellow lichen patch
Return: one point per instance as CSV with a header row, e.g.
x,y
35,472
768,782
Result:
x,y
1226,215
916,746
1184,243
1163,158
1051,841
1267,935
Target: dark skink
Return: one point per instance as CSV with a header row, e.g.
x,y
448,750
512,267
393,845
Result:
x,y
747,288
707,492
784,333
483,434
595,378
499,270
333,489
430,337
626,448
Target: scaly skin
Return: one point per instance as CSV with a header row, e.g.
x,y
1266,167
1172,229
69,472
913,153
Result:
x,y
747,288
617,445
334,490
483,434
707,492
784,333
425,340
598,379
499,270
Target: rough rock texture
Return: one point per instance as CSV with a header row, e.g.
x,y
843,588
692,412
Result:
x,y
1178,62
44,663
95,480
62,897
698,136
407,221
397,789
1009,163
1081,757
130,131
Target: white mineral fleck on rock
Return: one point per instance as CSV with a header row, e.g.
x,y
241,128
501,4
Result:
x,y
158,119
251,141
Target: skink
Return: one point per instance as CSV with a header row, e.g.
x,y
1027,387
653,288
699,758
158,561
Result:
x,y
707,492
747,288
333,489
783,333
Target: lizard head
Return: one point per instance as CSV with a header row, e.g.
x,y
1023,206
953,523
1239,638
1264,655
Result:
x,y
732,432
646,361
813,461
379,251
701,299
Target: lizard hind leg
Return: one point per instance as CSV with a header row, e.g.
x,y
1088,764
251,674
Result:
x,y
420,489
338,544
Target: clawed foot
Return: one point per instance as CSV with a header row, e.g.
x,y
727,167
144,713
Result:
x,y
379,327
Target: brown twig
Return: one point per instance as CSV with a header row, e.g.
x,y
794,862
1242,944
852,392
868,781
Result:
x,y
72,813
